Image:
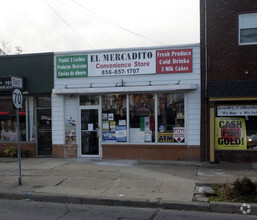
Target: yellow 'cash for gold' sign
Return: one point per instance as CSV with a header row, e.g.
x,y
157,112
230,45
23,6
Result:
x,y
230,134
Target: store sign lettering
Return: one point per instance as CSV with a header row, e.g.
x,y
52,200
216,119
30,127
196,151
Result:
x,y
230,133
174,61
122,63
5,84
115,63
71,66
237,110
165,138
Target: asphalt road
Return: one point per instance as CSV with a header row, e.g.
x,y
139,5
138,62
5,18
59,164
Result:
x,y
22,209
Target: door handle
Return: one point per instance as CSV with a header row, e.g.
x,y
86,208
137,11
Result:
x,y
99,132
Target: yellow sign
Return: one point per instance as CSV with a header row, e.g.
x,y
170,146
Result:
x,y
165,137
230,134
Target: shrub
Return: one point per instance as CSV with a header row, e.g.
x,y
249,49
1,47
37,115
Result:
x,y
11,151
243,187
241,190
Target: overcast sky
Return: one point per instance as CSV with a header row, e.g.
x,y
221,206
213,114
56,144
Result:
x,y
70,25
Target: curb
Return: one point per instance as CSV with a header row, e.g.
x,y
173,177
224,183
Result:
x,y
229,207
197,206
218,207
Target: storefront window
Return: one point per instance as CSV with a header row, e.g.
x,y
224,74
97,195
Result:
x,y
171,118
89,100
8,119
114,120
141,118
236,127
141,124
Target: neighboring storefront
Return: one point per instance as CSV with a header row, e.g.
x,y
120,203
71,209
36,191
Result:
x,y
228,39
36,70
140,103
233,121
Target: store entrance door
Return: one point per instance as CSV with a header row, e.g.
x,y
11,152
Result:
x,y
44,131
90,132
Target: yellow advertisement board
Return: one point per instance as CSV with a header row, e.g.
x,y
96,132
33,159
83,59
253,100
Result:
x,y
165,137
230,134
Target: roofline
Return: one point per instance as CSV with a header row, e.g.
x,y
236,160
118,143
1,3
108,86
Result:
x,y
101,50
128,49
26,55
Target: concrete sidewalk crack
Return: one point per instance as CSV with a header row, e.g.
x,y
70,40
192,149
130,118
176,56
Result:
x,y
53,168
160,187
58,184
109,188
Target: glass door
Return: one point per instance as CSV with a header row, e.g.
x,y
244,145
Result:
x,y
44,131
89,132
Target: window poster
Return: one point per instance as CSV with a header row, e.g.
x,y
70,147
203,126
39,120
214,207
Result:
x,y
90,127
105,125
110,116
122,122
230,134
104,116
70,130
109,136
121,133
165,137
112,125
179,134
148,136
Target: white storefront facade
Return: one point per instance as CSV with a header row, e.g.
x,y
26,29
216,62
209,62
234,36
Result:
x,y
134,103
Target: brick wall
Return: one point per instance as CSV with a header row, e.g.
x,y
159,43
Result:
x,y
246,156
226,59
64,150
31,147
151,152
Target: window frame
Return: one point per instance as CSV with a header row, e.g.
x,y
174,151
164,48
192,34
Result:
x,y
155,95
28,123
239,28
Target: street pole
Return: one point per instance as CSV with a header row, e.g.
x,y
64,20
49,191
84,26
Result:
x,y
19,147
17,84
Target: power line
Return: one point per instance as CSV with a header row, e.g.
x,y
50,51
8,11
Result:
x,y
69,6
117,25
67,24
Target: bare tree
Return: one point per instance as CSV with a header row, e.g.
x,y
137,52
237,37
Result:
x,y
6,49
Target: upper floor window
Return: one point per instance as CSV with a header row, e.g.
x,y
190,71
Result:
x,y
248,29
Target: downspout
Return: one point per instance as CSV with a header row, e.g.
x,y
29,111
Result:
x,y
206,74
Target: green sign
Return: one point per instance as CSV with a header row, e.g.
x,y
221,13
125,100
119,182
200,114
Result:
x,y
71,66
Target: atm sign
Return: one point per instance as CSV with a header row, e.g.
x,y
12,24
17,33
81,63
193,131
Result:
x,y
165,137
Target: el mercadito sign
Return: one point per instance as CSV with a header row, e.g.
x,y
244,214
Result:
x,y
132,62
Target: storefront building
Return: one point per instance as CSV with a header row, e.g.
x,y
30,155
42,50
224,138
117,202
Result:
x,y
228,80
138,103
36,70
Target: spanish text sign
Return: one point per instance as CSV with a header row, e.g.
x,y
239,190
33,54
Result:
x,y
174,61
230,134
71,66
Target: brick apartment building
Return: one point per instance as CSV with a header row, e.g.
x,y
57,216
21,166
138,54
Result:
x,y
228,80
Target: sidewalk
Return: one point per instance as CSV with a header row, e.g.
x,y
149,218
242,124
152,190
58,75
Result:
x,y
164,184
